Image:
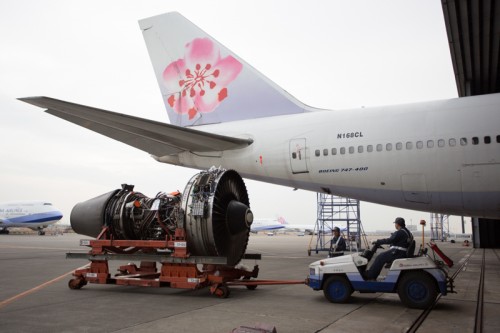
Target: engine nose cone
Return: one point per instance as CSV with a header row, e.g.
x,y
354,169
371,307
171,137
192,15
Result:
x,y
239,217
249,218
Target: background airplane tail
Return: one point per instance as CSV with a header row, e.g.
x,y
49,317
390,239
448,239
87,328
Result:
x,y
202,82
281,220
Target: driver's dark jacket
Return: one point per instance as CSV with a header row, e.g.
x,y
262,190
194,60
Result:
x,y
401,238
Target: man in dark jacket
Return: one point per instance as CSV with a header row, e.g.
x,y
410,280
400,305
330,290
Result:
x,y
338,242
399,241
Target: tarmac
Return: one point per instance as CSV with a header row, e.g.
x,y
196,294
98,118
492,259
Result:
x,y
34,295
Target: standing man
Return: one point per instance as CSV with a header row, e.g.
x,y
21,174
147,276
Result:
x,y
399,241
338,242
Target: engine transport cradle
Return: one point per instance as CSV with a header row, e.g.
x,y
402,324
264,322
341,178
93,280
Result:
x,y
177,268
198,236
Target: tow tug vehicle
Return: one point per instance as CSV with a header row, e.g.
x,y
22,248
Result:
x,y
417,279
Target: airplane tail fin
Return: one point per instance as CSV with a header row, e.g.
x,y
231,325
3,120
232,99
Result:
x,y
281,220
202,82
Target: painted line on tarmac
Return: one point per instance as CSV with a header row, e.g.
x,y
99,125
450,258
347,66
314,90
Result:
x,y
35,289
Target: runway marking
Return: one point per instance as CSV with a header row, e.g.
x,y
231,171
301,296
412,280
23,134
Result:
x,y
35,289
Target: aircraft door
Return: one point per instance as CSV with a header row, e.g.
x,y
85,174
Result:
x,y
298,156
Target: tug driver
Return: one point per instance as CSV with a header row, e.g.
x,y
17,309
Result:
x,y
399,241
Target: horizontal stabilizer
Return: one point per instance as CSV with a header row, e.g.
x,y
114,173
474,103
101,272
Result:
x,y
156,138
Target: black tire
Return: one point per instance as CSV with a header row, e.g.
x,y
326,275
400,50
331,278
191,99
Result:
x,y
250,287
337,289
417,290
222,291
76,284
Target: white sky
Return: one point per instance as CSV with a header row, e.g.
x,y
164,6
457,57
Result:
x,y
328,54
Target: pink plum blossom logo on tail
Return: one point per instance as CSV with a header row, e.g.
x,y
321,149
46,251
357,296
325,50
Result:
x,y
204,77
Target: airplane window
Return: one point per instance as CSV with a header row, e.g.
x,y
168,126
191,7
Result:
x,y
360,149
351,150
441,143
369,148
399,146
342,150
498,138
430,143
47,204
420,145
475,140
487,140
452,142
388,147
379,147
463,141
325,152
334,151
409,145
316,152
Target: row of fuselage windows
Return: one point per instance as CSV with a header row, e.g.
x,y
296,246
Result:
x,y
407,145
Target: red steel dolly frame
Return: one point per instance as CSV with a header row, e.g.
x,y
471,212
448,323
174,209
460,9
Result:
x,y
178,268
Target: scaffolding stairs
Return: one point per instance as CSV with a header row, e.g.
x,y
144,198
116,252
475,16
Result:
x,y
342,212
439,226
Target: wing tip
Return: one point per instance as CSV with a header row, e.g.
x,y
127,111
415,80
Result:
x,y
30,98
35,100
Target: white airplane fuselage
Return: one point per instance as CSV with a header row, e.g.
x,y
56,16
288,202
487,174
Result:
x,y
441,156
35,215
266,224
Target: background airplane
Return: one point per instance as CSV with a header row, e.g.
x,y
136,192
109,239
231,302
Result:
x,y
35,215
310,228
268,224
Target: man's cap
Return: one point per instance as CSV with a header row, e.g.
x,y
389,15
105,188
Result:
x,y
400,221
336,229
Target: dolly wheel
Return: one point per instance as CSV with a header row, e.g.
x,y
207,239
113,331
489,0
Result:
x,y
222,291
250,287
76,284
337,289
417,290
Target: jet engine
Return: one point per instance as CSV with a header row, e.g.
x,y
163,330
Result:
x,y
213,211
